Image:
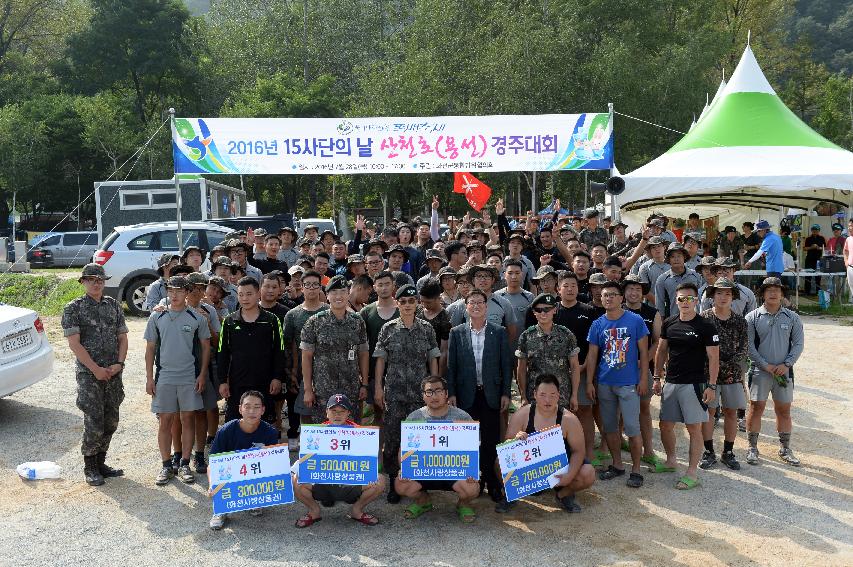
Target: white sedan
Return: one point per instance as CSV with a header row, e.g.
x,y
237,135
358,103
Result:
x,y
25,353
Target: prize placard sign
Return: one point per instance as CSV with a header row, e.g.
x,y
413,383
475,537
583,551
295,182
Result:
x,y
437,450
253,478
330,454
528,466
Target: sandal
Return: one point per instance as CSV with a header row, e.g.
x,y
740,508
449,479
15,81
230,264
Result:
x,y
660,467
417,510
635,480
307,521
651,460
366,519
466,514
568,503
686,483
610,473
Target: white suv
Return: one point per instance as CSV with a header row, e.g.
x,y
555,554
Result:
x,y
130,255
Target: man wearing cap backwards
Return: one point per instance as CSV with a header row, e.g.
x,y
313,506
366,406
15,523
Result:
x,y
770,248
668,282
178,340
616,368
731,328
814,245
744,299
335,353
157,290
339,412
775,344
546,348
634,291
251,351
593,234
651,270
689,349
405,351
434,392
269,261
97,335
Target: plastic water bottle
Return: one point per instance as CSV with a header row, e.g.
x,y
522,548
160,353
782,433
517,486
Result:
x,y
39,470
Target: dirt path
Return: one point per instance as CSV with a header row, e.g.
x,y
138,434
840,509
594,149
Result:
x,y
771,514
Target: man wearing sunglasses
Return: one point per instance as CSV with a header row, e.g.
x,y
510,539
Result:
x,y
405,349
688,343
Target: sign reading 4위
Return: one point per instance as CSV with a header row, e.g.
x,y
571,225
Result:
x,y
254,478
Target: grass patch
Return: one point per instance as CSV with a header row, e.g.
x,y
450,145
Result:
x,y
834,310
45,294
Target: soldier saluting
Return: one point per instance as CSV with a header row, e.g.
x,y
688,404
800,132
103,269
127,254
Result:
x,y
97,335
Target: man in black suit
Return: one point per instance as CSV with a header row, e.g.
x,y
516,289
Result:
x,y
479,377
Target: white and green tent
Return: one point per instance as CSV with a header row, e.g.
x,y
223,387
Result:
x,y
747,153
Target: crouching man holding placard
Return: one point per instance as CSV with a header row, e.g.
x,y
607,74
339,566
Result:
x,y
338,462
439,456
538,455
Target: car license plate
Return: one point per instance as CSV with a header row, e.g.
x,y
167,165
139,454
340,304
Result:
x,y
17,341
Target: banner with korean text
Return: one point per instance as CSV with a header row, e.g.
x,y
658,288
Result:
x,y
529,466
548,142
254,478
331,454
438,450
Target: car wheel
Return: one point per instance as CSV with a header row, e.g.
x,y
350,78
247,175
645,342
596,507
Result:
x,y
134,295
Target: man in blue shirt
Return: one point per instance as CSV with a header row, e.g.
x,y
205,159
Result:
x,y
245,433
617,360
771,249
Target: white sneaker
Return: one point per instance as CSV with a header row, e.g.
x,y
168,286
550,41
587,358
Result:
x,y
293,444
217,521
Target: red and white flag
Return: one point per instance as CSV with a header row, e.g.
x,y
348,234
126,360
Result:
x,y
476,192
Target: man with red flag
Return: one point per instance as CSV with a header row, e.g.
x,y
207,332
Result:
x,y
476,192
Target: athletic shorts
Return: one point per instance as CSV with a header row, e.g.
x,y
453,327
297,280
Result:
x,y
336,493
650,384
169,398
209,396
680,402
763,384
583,399
615,399
733,396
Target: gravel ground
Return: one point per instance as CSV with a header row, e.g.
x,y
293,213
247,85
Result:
x,y
771,514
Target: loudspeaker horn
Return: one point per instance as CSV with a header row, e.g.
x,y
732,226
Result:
x,y
613,186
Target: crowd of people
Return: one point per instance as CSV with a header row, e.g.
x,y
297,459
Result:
x,y
517,324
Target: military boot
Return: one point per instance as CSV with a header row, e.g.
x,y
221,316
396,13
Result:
x,y
106,470
90,470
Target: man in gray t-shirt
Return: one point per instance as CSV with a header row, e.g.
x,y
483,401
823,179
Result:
x,y
178,344
453,414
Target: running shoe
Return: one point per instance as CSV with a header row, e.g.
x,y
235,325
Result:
x,y
787,455
200,464
709,459
185,474
217,521
728,458
741,424
164,476
752,456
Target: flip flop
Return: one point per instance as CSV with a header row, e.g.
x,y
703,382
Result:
x,y
366,519
686,483
651,459
417,510
466,514
660,467
307,521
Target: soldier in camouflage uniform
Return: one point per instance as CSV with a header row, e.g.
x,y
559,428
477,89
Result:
x,y
593,234
408,350
335,352
546,348
97,335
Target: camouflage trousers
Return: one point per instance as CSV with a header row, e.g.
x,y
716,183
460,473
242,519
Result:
x,y
99,401
396,411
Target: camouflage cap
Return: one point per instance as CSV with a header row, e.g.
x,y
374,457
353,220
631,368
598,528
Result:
x,y
447,271
355,259
676,247
598,279
634,279
542,272
177,282
221,261
726,262
433,254
493,272
772,282
189,249
94,271
654,241
723,283
220,283
197,278
260,232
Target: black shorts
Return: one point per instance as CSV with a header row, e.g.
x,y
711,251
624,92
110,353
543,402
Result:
x,y
336,493
441,485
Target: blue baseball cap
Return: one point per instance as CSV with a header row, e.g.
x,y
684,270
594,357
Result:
x,y
341,400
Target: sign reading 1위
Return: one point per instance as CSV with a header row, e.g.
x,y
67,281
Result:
x,y
438,450
331,454
254,478
528,466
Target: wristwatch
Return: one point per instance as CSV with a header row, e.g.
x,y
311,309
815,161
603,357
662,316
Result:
x,y
713,387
